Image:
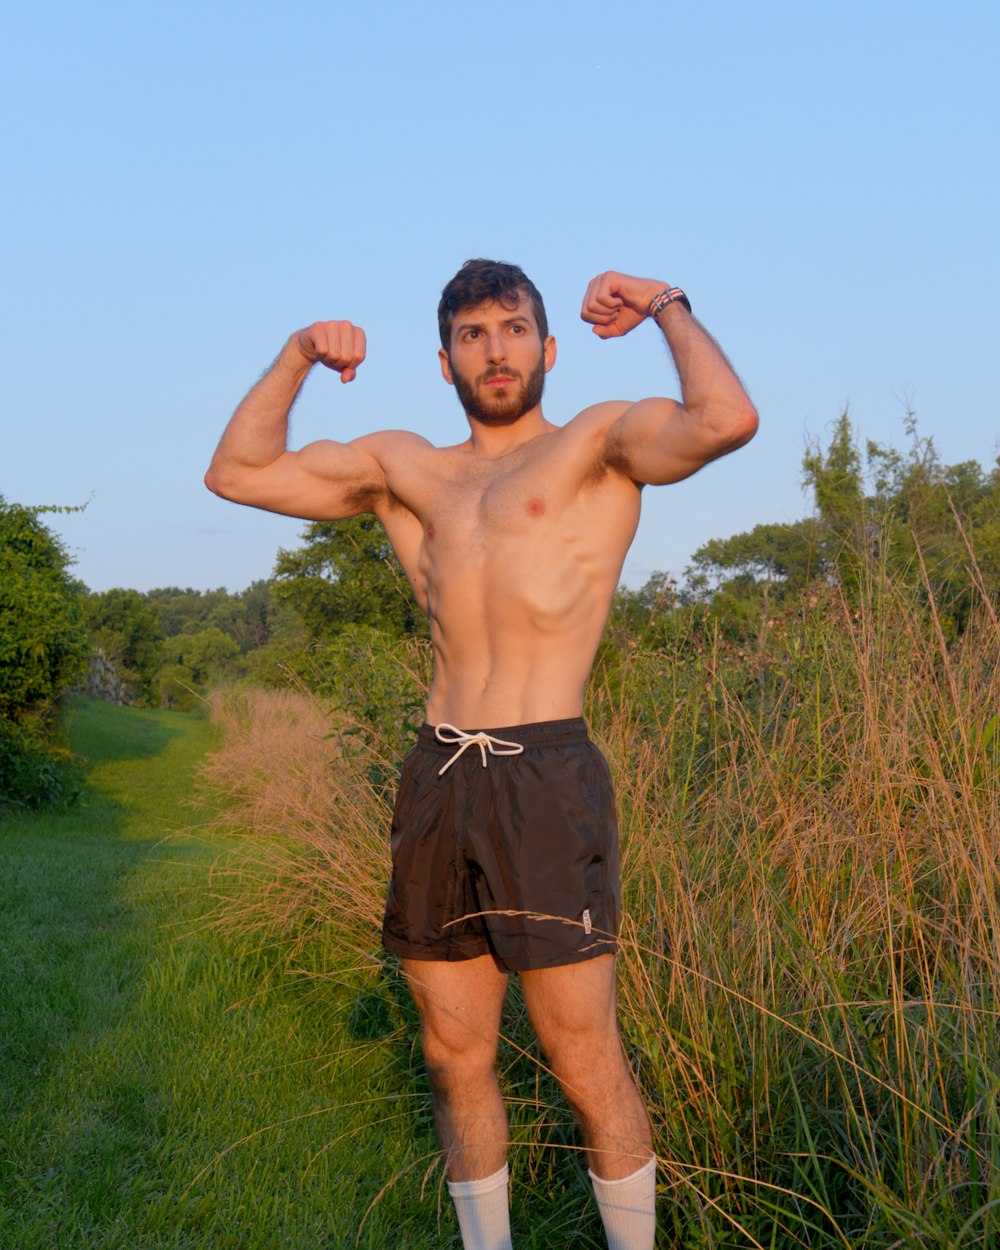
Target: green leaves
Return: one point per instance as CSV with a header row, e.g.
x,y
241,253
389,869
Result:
x,y
936,526
43,645
346,574
43,651
127,629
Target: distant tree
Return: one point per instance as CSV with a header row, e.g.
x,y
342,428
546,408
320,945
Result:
x,y
258,618
780,557
182,610
43,650
347,574
170,641
924,520
836,479
191,663
127,628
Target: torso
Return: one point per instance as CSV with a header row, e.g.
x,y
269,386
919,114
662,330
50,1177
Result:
x,y
515,559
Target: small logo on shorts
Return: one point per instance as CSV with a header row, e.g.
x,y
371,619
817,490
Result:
x,y
586,920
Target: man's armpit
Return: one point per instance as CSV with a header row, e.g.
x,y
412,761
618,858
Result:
x,y
615,454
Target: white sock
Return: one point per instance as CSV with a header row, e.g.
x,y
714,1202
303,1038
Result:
x,y
628,1208
483,1211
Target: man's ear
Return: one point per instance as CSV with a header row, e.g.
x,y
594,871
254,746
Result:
x,y
549,352
445,366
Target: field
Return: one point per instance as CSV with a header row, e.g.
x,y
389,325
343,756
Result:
x,y
203,1045
810,966
163,1084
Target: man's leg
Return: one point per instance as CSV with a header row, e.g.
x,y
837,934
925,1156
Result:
x,y
459,1005
573,1011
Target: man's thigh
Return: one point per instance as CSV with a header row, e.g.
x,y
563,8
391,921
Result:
x,y
573,1004
459,1001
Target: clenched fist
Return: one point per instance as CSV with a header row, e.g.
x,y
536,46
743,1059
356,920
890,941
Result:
x,y
339,345
615,303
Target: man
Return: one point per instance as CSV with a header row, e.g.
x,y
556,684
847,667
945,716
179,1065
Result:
x,y
504,839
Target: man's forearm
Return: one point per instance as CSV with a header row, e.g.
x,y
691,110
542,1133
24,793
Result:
x,y
709,385
615,303
258,430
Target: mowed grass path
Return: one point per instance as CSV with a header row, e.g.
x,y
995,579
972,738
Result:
x,y
161,1086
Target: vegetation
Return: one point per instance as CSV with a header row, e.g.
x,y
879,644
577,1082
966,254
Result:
x,y
914,515
346,575
164,1086
43,652
810,968
126,627
806,742
172,646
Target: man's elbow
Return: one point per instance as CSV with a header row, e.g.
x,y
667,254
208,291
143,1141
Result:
x,y
212,480
736,427
746,424
221,483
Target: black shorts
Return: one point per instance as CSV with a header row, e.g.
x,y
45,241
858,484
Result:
x,y
533,834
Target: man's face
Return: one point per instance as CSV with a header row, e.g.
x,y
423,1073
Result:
x,y
497,362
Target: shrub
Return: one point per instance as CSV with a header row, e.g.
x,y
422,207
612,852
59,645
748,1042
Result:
x,y
43,652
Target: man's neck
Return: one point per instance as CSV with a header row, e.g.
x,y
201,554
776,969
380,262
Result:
x,y
492,441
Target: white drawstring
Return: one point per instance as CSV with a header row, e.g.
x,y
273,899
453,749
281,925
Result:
x,y
495,746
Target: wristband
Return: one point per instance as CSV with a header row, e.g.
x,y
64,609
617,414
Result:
x,y
672,293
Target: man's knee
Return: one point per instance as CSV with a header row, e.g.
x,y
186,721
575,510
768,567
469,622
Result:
x,y
573,1040
590,1066
457,1057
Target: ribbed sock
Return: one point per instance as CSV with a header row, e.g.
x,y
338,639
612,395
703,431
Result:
x,y
483,1211
628,1208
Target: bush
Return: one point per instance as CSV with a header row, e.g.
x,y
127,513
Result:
x,y
34,773
43,652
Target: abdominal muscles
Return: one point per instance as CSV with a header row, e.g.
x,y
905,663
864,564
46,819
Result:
x,y
515,627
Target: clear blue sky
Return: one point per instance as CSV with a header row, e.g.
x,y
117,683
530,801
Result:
x,y
187,183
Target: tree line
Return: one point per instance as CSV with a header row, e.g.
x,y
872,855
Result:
x,y
340,600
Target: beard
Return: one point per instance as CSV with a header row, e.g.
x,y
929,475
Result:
x,y
519,397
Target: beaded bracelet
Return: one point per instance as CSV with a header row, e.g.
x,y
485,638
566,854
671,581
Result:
x,y
659,302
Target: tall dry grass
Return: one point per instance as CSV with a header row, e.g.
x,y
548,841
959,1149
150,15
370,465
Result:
x,y
312,856
810,970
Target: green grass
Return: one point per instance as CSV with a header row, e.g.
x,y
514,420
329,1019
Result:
x,y
162,1084
809,971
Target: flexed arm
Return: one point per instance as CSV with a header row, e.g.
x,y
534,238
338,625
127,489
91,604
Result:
x,y
325,480
658,440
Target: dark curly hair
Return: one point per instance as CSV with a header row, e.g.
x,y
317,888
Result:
x,y
487,281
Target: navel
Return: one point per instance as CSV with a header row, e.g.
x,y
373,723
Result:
x,y
535,506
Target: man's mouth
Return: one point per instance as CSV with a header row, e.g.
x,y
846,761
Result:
x,y
499,380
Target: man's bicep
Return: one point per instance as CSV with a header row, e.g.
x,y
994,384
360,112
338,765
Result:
x,y
653,442
346,477
324,481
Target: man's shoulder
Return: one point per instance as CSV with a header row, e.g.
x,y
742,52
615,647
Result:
x,y
393,440
597,418
589,441
591,428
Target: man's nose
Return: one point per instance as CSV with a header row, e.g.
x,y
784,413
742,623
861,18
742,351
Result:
x,y
496,349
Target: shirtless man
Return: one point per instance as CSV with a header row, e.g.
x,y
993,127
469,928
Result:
x,y
513,541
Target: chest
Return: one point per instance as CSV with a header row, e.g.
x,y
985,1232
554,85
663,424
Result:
x,y
518,494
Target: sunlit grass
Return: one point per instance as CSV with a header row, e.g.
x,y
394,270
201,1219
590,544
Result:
x,y
163,1085
810,965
